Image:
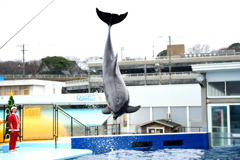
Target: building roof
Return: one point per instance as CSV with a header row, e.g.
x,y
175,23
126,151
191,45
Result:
x,y
163,122
214,67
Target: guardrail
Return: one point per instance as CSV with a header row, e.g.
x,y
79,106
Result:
x,y
181,56
76,81
151,74
46,76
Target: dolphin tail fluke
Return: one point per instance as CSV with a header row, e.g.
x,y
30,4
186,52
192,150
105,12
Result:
x,y
131,109
111,19
106,110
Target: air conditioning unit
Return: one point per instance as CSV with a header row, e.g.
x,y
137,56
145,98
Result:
x,y
168,116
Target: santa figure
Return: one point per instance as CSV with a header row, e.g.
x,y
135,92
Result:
x,y
13,121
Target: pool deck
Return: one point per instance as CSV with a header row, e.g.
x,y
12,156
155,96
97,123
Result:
x,y
27,152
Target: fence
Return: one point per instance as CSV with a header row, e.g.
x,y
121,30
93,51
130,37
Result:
x,y
43,122
225,139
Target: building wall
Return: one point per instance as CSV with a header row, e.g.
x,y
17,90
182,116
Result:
x,y
182,102
176,49
38,90
36,87
165,95
223,76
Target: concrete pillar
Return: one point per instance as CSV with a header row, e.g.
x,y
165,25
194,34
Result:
x,y
89,76
128,123
151,113
145,74
188,119
204,104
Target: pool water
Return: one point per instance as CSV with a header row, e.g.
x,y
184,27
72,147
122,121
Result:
x,y
170,154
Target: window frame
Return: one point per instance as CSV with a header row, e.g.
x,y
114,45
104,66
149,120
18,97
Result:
x,y
225,90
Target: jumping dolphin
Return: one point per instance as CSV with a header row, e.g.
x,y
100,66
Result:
x,y
116,93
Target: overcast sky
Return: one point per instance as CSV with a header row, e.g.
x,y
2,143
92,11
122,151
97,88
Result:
x,y
72,28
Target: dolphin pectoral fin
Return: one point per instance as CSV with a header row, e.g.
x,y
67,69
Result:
x,y
106,110
131,109
111,19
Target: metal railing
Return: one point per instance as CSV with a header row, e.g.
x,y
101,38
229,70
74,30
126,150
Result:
x,y
181,56
76,81
45,76
56,126
151,74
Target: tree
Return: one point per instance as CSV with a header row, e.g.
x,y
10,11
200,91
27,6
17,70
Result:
x,y
8,112
199,49
84,63
162,54
57,64
31,67
234,46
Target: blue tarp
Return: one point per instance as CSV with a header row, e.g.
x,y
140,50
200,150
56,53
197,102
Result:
x,y
2,78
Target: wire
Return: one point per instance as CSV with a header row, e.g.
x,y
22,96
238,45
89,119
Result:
x,y
26,24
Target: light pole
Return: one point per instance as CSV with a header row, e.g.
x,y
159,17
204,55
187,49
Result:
x,y
169,59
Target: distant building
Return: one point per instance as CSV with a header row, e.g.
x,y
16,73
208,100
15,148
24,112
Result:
x,y
30,87
159,126
176,49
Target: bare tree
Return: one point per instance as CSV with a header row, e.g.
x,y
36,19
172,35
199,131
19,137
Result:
x,y
31,67
84,63
199,49
72,58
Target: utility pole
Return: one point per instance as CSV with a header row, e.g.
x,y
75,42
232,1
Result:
x,y
153,51
122,48
23,60
169,60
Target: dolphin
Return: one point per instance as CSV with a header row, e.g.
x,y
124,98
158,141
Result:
x,y
116,92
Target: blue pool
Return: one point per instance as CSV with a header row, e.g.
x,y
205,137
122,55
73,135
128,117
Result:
x,y
169,154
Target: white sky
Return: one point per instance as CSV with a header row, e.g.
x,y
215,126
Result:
x,y
72,28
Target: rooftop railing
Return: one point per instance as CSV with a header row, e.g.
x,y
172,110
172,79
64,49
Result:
x,y
45,76
151,74
181,56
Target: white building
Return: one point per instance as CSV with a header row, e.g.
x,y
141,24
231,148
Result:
x,y
222,87
179,103
30,87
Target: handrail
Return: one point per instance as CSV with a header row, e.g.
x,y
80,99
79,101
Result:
x,y
70,115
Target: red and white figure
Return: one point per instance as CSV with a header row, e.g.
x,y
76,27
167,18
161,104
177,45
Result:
x,y
13,121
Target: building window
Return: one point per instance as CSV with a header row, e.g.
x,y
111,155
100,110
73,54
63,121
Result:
x,y
227,88
17,90
216,88
233,88
153,130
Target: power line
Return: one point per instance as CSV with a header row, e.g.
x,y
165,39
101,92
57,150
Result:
x,y
26,24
